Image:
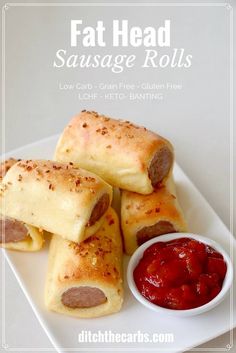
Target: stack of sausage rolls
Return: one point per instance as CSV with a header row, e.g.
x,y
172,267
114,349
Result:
x,y
71,198
134,159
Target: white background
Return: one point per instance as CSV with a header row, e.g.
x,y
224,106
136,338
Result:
x,y
195,119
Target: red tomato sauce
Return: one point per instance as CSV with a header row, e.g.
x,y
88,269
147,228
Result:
x,y
180,274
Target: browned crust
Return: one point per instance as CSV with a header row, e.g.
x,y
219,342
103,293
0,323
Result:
x,y
141,214
6,165
98,257
121,132
113,135
55,174
142,208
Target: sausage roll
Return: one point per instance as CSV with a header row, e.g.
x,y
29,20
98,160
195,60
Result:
x,y
146,216
56,197
16,235
125,155
85,280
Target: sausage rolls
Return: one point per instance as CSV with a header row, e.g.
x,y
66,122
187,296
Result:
x,y
16,235
125,155
56,197
85,279
146,216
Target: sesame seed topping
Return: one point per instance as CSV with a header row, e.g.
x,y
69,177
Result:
x,y
56,167
77,182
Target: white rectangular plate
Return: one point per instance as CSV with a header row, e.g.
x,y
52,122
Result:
x,y
30,270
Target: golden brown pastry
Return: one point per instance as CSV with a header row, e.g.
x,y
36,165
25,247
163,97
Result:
x,y
56,197
6,165
16,235
125,155
146,216
85,279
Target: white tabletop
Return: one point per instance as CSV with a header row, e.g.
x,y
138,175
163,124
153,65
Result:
x,y
195,118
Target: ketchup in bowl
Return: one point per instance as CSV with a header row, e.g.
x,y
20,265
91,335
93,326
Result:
x,y
180,274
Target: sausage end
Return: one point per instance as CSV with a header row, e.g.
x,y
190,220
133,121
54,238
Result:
x,y
99,209
83,297
160,165
161,227
12,230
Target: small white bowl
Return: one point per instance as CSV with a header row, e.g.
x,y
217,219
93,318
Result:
x,y
137,255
